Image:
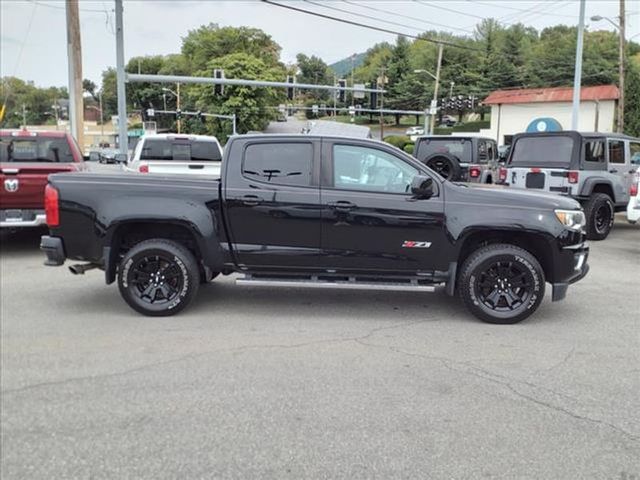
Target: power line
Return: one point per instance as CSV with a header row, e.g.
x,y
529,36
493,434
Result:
x,y
371,27
506,7
61,7
388,12
427,4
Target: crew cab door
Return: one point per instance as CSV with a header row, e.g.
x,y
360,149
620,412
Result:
x,y
272,200
370,222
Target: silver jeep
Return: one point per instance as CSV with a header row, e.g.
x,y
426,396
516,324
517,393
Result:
x,y
594,168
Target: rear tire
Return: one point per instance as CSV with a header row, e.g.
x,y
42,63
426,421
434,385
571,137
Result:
x,y
599,213
158,277
501,284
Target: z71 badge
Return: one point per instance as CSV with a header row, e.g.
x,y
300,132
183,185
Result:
x,y
412,244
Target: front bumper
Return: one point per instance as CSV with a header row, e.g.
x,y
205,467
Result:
x,y
22,218
571,267
53,249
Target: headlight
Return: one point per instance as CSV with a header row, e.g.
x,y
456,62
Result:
x,y
571,219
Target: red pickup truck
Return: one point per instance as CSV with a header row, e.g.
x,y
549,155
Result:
x,y
26,160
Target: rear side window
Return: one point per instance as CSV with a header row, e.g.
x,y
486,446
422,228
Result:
x,y
542,151
35,149
634,151
279,163
180,150
594,151
616,151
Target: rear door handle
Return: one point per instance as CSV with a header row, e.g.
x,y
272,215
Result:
x,y
613,170
251,200
342,205
196,167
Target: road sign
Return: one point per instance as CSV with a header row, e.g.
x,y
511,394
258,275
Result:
x,y
314,108
359,93
352,110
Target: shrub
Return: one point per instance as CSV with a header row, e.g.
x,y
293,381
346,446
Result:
x,y
398,140
409,148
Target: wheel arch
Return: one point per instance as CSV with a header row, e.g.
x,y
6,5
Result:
x,y
598,185
124,235
536,243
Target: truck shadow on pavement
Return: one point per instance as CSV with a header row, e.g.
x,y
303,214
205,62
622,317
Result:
x,y
25,240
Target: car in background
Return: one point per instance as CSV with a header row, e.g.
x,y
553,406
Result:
x,y
594,168
633,207
174,153
462,159
448,121
26,160
108,155
417,130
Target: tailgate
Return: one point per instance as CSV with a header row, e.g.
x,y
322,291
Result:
x,y
174,167
552,180
22,184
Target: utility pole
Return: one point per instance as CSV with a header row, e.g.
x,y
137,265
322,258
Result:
x,y
353,95
621,68
101,117
577,76
74,56
178,122
435,91
24,116
120,74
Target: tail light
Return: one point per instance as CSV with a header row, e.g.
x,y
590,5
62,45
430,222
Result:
x,y
51,208
572,176
502,174
633,190
474,172
144,168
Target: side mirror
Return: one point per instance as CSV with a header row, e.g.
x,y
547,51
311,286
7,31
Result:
x,y
94,157
422,187
120,157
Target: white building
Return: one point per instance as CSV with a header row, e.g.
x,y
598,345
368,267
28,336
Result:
x,y
542,109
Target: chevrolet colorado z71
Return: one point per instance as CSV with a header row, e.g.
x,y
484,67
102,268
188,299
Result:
x,y
317,211
26,160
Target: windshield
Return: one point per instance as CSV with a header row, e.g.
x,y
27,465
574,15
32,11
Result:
x,y
461,148
543,151
180,150
34,149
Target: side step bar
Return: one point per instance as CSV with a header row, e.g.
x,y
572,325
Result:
x,y
352,283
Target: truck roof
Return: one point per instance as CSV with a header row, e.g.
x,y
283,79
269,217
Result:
x,y
621,136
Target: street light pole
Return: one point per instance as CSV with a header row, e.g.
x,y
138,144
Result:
x,y
621,69
577,76
120,77
178,122
435,90
101,117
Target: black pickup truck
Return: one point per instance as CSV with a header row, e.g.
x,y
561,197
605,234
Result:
x,y
317,211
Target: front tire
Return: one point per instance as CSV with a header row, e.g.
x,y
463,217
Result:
x,y
501,284
599,213
158,277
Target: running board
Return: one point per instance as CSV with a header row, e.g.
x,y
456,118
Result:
x,y
352,283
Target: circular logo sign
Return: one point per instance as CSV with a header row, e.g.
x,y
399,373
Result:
x,y
544,125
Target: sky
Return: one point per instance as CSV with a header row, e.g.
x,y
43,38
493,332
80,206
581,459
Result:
x,y
33,32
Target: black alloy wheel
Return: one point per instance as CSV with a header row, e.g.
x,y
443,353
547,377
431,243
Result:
x,y
501,283
599,213
504,285
158,277
441,166
602,218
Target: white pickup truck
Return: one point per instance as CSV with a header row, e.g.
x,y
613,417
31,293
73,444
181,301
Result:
x,y
173,153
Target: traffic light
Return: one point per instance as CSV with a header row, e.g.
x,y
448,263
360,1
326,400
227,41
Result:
x,y
178,114
199,116
218,89
342,95
290,90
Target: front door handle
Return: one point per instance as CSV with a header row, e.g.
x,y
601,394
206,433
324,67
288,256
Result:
x,y
251,200
613,170
342,205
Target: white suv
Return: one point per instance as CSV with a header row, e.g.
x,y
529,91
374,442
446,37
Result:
x,y
173,153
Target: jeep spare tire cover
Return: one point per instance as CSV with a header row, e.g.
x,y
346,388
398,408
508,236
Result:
x,y
445,164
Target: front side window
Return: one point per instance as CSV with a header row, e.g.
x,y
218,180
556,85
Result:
x,y
279,163
616,151
369,169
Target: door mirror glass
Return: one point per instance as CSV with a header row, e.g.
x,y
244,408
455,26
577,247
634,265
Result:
x,y
94,157
120,158
422,187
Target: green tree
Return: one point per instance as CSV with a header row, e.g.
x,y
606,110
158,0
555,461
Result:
x,y
632,98
314,70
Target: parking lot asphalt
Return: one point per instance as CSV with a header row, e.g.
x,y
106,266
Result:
x,y
257,382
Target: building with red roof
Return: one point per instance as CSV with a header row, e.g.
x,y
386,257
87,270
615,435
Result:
x,y
540,109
